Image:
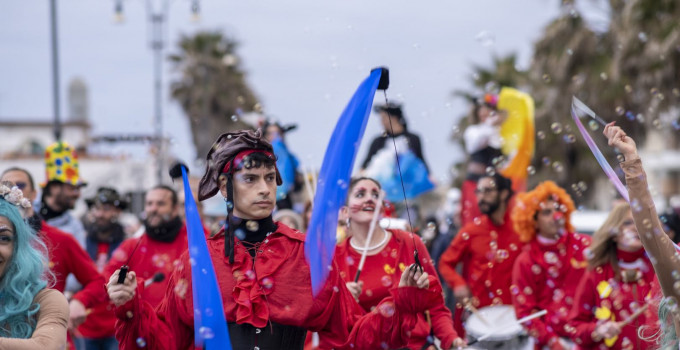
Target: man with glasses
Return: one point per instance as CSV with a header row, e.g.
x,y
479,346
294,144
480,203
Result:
x,y
487,248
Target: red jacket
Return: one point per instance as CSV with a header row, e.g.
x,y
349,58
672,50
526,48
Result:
x,y
545,278
487,252
151,257
601,296
382,272
68,257
275,286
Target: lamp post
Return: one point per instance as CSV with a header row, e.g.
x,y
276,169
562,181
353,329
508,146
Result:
x,y
157,10
55,71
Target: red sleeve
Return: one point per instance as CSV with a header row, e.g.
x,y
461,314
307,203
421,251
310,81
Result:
x,y
119,257
342,323
450,259
166,328
524,299
581,317
442,322
85,271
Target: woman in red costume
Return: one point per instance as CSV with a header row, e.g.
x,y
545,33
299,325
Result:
x,y
388,254
617,284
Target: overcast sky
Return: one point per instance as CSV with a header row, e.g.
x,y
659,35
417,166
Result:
x,y
304,60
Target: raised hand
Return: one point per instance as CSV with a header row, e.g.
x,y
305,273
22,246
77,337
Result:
x,y
618,138
120,294
412,277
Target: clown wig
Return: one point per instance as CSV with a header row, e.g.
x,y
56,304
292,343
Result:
x,y
23,278
529,203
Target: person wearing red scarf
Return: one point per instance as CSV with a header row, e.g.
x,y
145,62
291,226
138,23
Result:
x,y
263,275
618,284
388,254
544,274
487,248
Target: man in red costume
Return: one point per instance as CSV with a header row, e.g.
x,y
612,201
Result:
x,y
66,256
263,275
545,273
154,256
487,248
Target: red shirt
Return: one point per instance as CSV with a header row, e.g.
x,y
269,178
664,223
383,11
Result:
x,y
68,257
487,253
382,272
274,286
544,278
151,257
602,296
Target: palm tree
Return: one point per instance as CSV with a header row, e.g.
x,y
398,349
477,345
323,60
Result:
x,y
628,73
211,87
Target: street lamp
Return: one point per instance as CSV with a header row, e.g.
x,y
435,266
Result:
x,y
158,14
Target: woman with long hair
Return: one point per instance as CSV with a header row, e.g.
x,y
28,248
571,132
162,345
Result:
x,y
388,253
31,316
658,245
615,288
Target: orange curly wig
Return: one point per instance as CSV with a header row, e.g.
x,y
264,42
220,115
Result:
x,y
529,203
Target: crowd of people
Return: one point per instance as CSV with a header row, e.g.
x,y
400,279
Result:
x,y
500,253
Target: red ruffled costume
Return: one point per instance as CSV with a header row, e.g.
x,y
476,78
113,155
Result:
x,y
487,252
381,273
274,286
602,296
544,278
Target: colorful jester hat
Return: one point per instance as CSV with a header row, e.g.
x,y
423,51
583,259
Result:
x,y
61,164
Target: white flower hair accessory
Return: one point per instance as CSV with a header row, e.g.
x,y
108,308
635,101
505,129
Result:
x,y
14,196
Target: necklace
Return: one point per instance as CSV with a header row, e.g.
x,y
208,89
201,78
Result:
x,y
368,249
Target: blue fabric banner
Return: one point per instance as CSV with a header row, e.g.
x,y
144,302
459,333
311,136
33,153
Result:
x,y
210,325
334,178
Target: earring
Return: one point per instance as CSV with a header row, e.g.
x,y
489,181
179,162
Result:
x,y
347,222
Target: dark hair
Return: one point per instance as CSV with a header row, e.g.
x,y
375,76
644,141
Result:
x,y
173,193
30,177
353,182
502,183
256,160
47,190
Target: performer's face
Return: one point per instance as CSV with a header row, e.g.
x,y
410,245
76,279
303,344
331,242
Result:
x,y
158,207
627,238
6,244
549,219
362,201
488,196
254,192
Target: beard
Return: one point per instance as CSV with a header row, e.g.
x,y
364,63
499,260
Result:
x,y
488,208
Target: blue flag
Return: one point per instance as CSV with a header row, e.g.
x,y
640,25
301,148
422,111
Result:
x,y
210,325
334,178
287,165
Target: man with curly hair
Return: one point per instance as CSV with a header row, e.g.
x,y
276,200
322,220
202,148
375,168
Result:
x,y
554,257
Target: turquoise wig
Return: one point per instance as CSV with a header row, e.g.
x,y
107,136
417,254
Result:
x,y
24,277
668,339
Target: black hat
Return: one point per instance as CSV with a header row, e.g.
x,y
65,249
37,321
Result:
x,y
107,195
